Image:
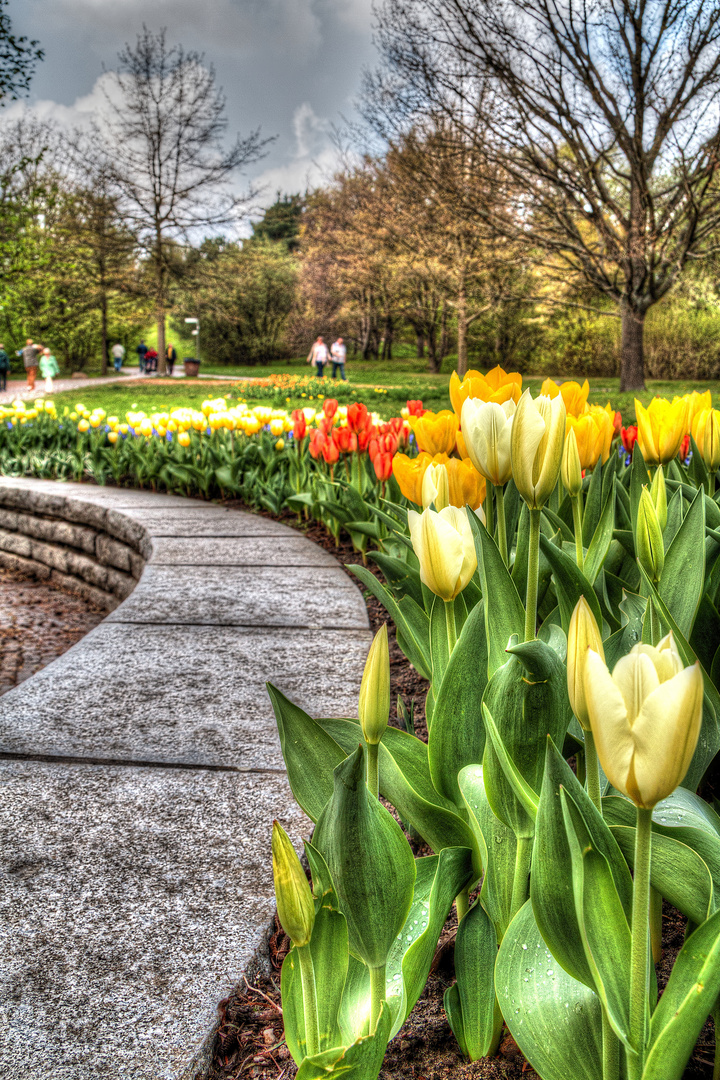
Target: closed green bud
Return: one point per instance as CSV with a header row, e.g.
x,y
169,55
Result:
x,y
659,496
295,904
570,467
374,703
650,549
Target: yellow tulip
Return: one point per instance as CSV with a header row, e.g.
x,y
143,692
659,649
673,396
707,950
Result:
x,y
113,437
183,438
409,473
436,486
487,430
583,634
538,435
280,444
498,385
594,433
571,467
573,394
645,718
460,446
696,403
374,702
295,904
435,433
467,486
661,429
706,433
649,542
443,543
83,425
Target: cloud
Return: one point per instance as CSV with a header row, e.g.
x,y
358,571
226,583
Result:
x,y
313,158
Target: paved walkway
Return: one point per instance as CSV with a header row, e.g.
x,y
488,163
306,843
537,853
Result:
x,y
139,776
18,389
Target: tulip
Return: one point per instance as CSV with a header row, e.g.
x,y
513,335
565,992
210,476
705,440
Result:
x,y
467,486
536,446
435,433
594,434
571,468
658,494
443,543
628,437
383,466
374,703
573,394
357,416
436,486
330,452
112,437
661,428
649,541
330,407
345,440
697,403
487,429
296,912
497,385
409,473
415,408
706,433
583,634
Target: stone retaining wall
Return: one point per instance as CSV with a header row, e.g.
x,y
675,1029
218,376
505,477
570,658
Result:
x,y
84,549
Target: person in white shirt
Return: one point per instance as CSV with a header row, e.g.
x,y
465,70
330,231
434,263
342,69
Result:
x,y
339,352
319,357
118,354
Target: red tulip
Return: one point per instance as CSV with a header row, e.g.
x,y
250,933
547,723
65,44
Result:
x,y
685,448
415,408
628,436
357,416
330,407
317,441
299,424
345,440
365,435
382,464
617,424
330,452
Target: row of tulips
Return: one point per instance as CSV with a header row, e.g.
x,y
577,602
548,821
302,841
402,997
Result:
x,y
571,613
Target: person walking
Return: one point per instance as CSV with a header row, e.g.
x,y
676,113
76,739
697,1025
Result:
x,y
4,367
48,369
29,356
142,353
318,357
170,358
118,355
339,353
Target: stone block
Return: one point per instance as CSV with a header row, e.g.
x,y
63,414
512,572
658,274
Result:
x,y
127,530
52,555
88,569
121,585
112,552
131,903
16,543
286,550
24,566
208,520
8,520
68,583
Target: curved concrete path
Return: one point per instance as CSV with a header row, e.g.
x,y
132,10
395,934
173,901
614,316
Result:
x,y
139,776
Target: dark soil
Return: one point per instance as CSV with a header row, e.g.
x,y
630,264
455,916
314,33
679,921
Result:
x,y
37,624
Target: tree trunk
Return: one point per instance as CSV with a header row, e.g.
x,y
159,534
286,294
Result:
x,y
433,363
632,360
161,342
104,331
420,347
160,304
461,330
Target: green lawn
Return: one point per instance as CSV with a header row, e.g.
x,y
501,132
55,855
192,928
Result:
x,y
403,382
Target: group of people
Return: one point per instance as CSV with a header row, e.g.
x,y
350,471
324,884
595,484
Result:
x,y
320,355
34,357
148,359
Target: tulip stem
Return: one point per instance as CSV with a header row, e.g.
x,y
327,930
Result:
x,y
611,1050
640,953
373,769
532,577
576,501
450,624
309,993
462,903
523,854
489,510
502,529
592,770
377,994
655,628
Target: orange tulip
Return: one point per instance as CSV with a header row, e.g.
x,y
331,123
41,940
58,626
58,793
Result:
x,y
594,434
466,485
498,385
573,394
435,433
409,473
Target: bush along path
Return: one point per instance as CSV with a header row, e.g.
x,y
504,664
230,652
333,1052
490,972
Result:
x,y
574,616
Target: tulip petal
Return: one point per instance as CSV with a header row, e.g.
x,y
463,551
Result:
x,y
528,431
609,721
665,735
636,678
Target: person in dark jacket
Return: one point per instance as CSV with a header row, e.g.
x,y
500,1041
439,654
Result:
x,y
142,352
4,367
170,358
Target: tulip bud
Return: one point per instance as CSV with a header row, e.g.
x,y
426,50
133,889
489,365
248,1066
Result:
x,y
374,703
658,494
538,434
444,545
583,634
295,905
436,487
650,549
570,468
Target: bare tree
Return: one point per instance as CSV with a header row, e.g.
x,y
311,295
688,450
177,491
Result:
x,y
603,115
165,136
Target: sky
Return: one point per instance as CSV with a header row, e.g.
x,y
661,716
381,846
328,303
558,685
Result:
x,y
291,67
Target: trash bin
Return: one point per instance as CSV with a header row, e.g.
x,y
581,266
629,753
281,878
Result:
x,y
191,365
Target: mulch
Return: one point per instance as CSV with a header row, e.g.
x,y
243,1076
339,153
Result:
x,y
249,1043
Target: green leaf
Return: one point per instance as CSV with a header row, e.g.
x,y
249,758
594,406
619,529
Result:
x,y
362,1060
474,1014
601,540
525,795
439,645
551,878
678,873
688,998
411,622
555,1020
457,735
603,924
683,576
329,951
639,478
497,845
504,613
370,862
403,579
593,506
310,754
570,583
